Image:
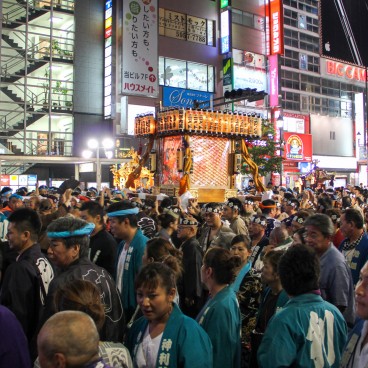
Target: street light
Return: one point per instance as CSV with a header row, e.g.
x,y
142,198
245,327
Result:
x,y
93,144
280,126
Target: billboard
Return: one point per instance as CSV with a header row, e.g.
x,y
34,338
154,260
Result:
x,y
343,30
140,48
298,147
343,72
245,77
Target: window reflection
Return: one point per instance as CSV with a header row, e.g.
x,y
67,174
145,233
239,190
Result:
x,y
188,75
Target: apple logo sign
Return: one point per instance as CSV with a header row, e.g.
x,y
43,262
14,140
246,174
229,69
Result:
x,y
327,46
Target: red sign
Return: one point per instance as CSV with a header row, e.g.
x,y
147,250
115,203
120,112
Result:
x,y
108,32
345,71
5,180
298,147
276,27
290,166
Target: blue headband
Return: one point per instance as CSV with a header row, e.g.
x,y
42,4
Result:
x,y
86,230
130,211
6,193
16,196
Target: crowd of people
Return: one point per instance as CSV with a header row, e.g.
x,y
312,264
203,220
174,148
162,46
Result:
x,y
115,278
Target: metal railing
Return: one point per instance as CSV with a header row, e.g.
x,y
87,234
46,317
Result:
x,y
14,61
13,14
7,121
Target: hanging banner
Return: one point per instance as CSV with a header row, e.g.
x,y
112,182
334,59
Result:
x,y
276,27
298,147
273,80
140,51
108,60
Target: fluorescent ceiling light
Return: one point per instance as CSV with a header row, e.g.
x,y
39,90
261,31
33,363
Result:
x,y
56,19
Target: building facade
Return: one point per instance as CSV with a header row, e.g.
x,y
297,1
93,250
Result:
x,y
66,72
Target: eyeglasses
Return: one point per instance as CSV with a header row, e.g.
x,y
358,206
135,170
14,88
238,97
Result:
x,y
312,236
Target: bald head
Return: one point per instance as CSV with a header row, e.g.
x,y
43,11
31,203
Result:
x,y
68,338
278,235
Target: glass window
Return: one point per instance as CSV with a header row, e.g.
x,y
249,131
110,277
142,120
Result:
x,y
248,19
303,61
236,16
197,76
302,21
183,74
175,73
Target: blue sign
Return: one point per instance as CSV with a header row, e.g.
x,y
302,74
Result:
x,y
108,4
178,97
32,180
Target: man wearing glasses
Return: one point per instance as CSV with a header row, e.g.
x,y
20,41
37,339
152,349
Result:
x,y
336,283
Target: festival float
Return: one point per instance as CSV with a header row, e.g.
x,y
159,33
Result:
x,y
198,149
122,173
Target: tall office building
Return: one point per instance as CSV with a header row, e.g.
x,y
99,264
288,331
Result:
x,y
324,95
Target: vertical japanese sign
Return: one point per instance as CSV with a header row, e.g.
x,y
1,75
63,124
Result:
x,y
225,32
276,27
274,80
108,60
140,52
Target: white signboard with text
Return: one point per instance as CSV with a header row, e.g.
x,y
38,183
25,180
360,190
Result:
x,y
140,51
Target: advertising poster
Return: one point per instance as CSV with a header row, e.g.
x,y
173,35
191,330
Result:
x,y
298,147
5,180
32,180
23,180
13,180
140,52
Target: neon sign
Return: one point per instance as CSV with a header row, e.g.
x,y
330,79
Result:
x,y
108,24
276,27
225,32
